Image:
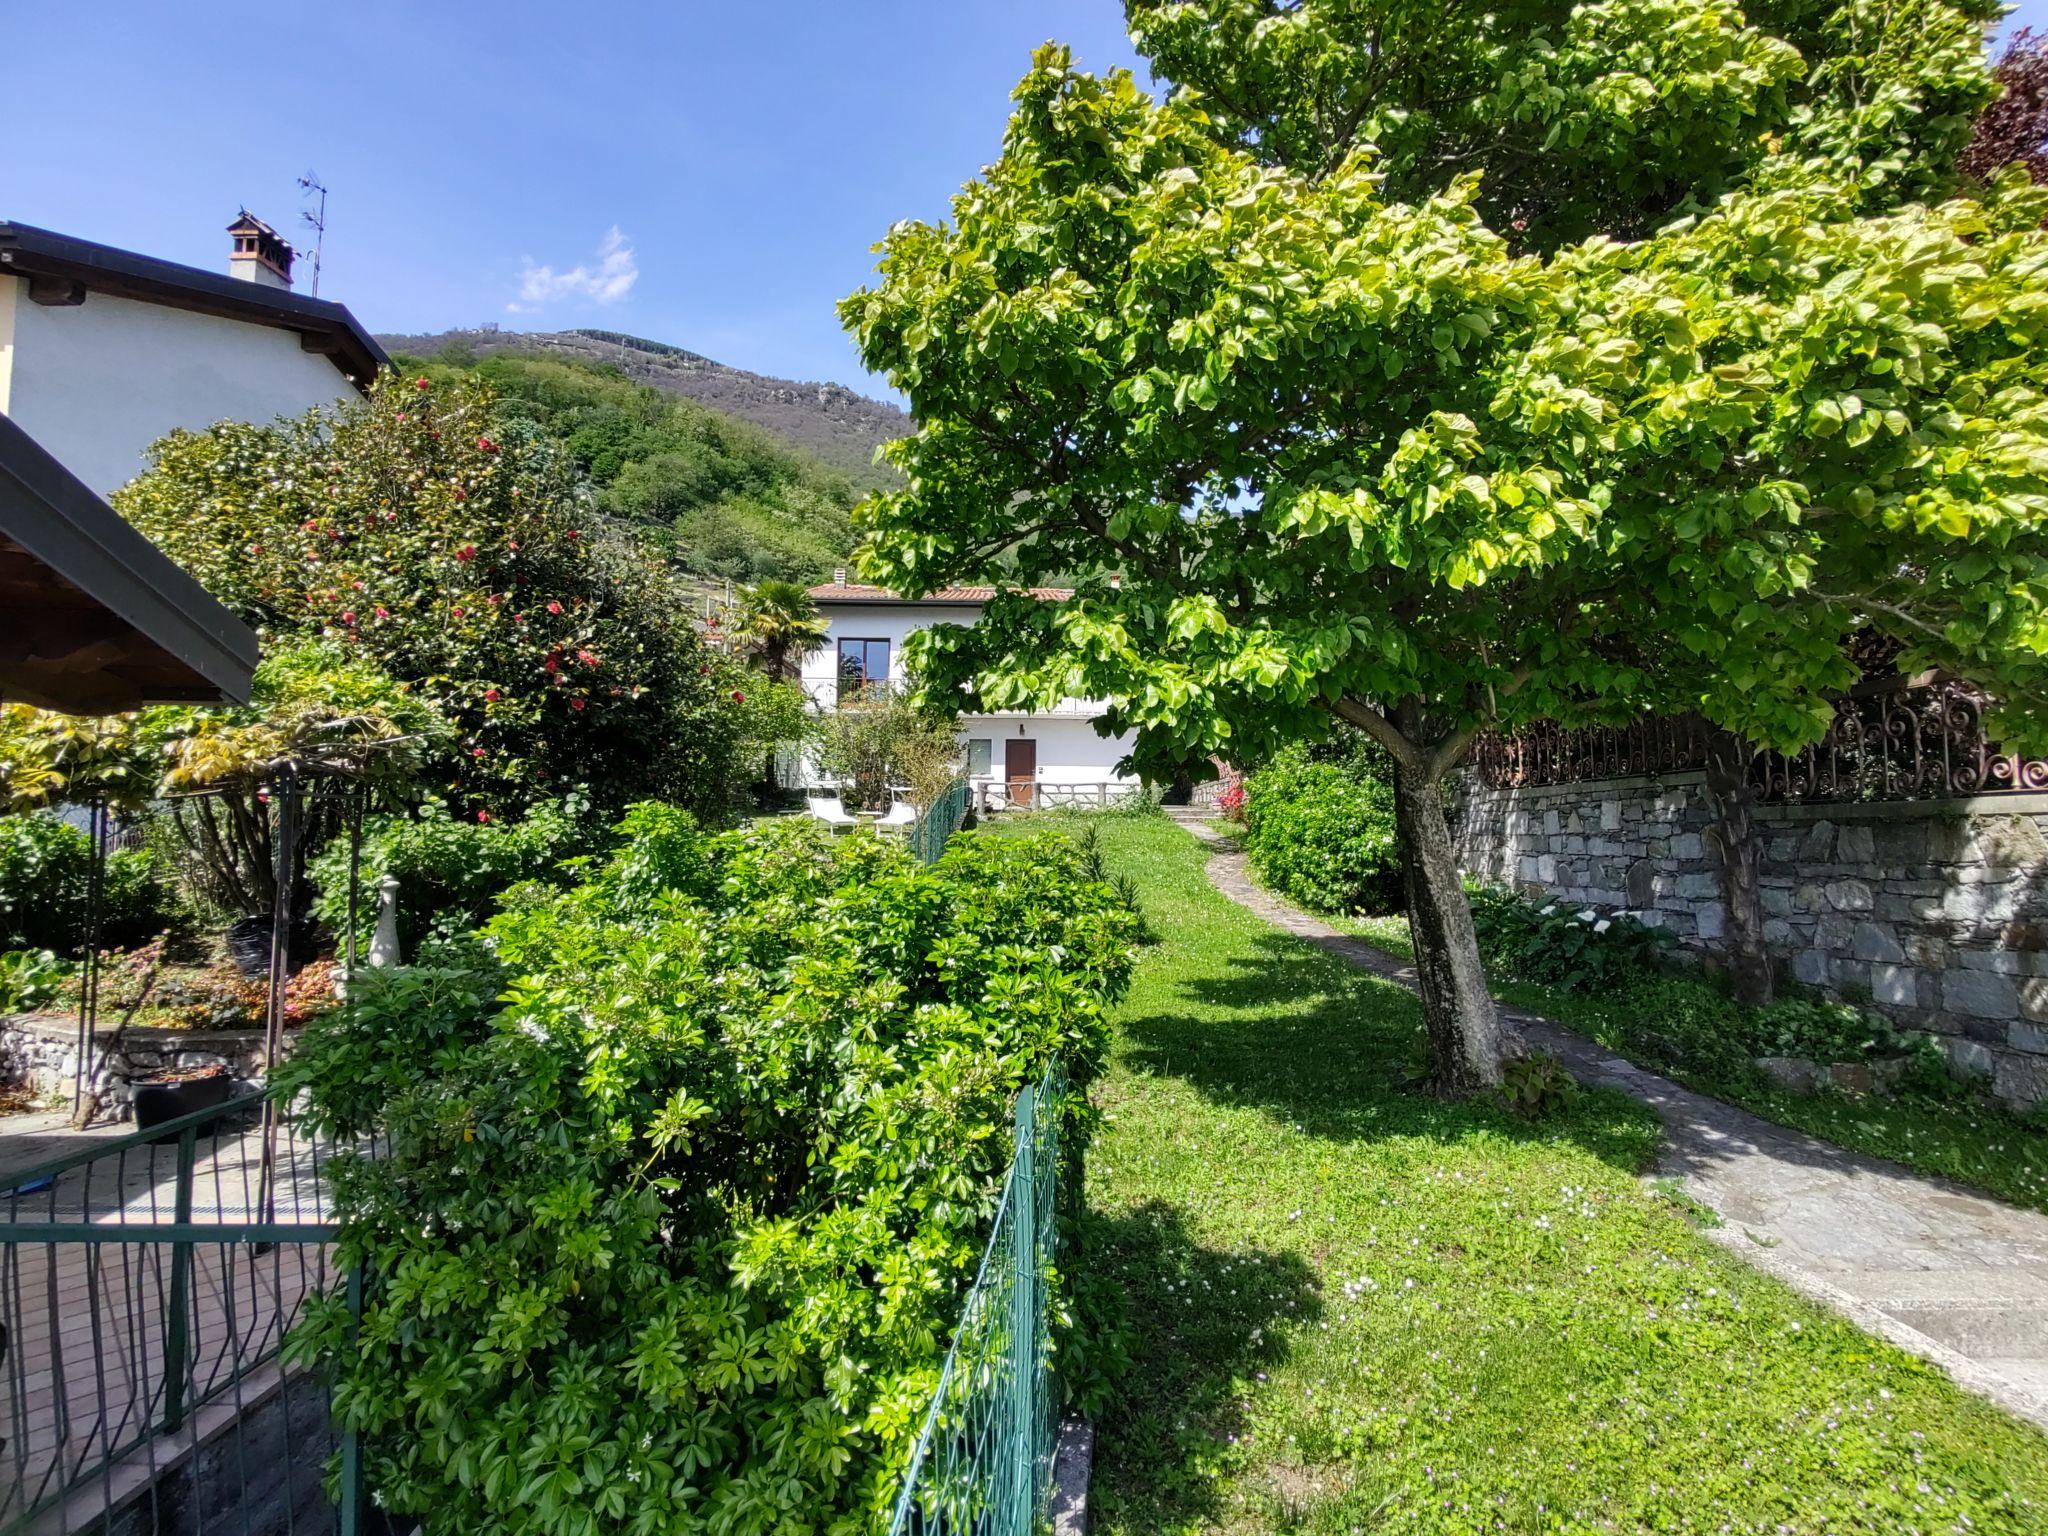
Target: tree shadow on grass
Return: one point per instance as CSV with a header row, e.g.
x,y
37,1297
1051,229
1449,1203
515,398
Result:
x,y
1200,1326
1297,1032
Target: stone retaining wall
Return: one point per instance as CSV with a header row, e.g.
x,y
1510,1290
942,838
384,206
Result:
x,y
1935,912
40,1052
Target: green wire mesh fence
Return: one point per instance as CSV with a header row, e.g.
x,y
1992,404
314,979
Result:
x,y
941,819
983,1461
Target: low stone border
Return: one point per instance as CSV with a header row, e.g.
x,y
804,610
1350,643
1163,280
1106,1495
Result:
x,y
1073,1461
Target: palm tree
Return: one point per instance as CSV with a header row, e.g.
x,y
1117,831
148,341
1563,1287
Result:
x,y
779,624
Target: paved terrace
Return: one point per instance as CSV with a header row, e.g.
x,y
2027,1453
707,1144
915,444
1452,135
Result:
x,y
84,1380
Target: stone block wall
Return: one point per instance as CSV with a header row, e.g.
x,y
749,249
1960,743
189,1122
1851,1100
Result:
x,y
40,1052
1935,912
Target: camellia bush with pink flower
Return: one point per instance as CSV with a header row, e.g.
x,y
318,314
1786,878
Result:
x,y
463,558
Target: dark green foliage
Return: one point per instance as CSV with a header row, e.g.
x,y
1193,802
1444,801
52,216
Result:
x,y
1323,832
685,1186
450,872
1562,945
459,558
45,875
720,497
1537,1086
31,979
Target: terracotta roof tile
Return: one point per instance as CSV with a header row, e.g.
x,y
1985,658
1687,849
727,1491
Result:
x,y
854,592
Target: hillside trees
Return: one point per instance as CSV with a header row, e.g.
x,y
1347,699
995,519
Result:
x,y
1360,457
716,497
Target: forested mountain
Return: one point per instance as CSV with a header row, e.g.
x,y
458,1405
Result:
x,y
718,496
834,425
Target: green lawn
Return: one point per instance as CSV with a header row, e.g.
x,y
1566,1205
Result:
x,y
1359,1310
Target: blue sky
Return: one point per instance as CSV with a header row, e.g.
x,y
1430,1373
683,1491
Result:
x,y
704,173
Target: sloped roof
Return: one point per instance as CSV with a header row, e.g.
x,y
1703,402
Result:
x,y
95,619
68,269
856,592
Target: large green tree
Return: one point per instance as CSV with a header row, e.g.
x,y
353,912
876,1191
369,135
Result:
x,y
1360,456
466,561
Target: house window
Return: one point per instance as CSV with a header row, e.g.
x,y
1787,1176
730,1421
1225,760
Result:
x,y
980,757
863,666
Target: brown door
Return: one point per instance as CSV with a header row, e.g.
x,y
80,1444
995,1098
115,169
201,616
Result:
x,y
1020,767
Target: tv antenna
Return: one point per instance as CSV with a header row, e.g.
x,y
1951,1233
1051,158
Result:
x,y
316,220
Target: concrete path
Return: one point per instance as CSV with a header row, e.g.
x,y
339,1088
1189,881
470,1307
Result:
x,y
1954,1277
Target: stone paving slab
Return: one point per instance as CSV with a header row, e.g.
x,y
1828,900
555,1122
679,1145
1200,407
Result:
x,y
1955,1277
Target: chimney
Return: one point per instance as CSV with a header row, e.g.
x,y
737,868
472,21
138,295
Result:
x,y
260,254
839,576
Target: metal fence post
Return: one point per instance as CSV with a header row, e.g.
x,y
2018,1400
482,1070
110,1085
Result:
x,y
1024,1316
350,1515
177,1324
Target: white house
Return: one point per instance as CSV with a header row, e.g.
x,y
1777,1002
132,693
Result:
x,y
103,351
1019,757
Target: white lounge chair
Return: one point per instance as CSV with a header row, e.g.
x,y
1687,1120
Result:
x,y
831,811
901,813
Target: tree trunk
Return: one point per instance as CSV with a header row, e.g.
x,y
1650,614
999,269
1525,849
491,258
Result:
x,y
1749,960
1468,1043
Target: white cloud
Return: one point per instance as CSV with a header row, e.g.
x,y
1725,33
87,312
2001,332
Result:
x,y
606,281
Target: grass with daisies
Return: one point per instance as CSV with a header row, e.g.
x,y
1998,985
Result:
x,y
1355,1309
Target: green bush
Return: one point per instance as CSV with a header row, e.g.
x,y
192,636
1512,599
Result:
x,y
1560,945
451,873
682,1192
31,980
1322,833
45,884
461,558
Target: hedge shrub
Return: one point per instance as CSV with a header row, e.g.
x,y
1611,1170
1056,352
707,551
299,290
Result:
x,y
450,871
683,1190
1322,833
45,882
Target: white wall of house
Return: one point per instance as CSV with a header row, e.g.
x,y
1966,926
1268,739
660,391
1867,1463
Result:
x,y
1068,749
96,383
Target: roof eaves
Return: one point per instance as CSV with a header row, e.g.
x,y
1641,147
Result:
x,y
53,515
323,326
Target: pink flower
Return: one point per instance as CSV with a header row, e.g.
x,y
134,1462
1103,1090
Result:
x,y
466,553
383,613
455,613
738,697
576,704
348,618
419,383
554,607
588,658
490,695
487,445
574,534
483,817
476,751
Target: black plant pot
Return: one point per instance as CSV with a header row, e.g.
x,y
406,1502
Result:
x,y
160,1103
249,945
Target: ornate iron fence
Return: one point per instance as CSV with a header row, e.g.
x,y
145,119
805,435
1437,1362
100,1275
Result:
x,y
983,1461
1922,740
